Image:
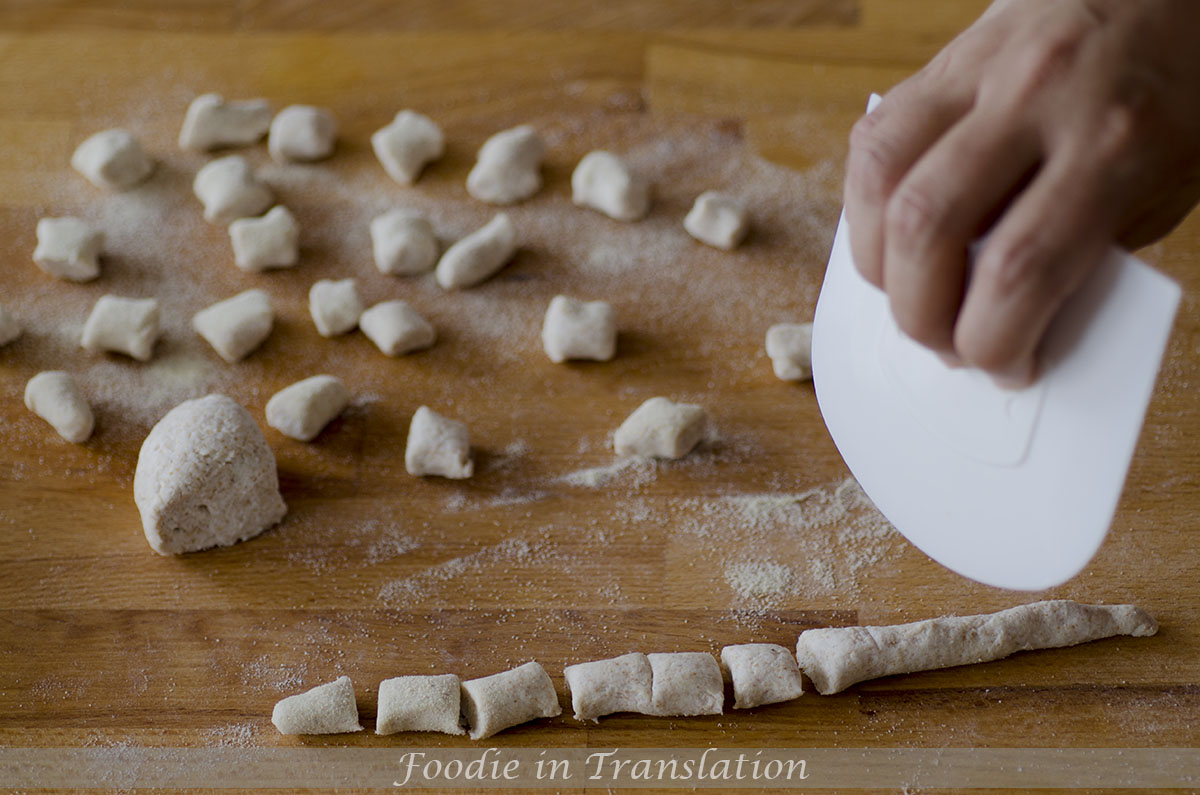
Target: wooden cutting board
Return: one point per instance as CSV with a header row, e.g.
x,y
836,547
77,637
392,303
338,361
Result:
x,y
549,553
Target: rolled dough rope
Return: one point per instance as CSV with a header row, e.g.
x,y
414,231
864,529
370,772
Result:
x,y
396,328
603,182
229,190
68,248
211,122
835,658
478,255
790,347
10,329
237,325
686,683
404,147
122,325
718,219
497,702
762,673
576,329
113,160
660,428
508,168
326,709
438,446
301,410
404,243
205,478
420,704
618,684
55,397
272,241
302,133
335,306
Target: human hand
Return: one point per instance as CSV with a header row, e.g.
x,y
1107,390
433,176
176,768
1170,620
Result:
x,y
1063,127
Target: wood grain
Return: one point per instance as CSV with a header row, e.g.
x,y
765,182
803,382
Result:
x,y
376,574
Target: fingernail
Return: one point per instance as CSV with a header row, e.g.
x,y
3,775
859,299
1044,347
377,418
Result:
x,y
951,360
1016,378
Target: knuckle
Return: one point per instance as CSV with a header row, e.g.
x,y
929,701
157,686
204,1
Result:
x,y
873,161
1011,265
1043,61
913,213
922,326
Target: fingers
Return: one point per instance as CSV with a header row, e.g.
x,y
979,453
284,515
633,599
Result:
x,y
1039,253
884,144
939,208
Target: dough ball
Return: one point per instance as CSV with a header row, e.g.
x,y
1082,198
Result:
x,y
302,133
718,219
396,328
272,241
509,167
660,428
301,410
55,397
113,160
576,329
789,345
68,248
326,709
407,145
123,325
237,325
438,446
229,190
603,182
404,243
211,123
335,306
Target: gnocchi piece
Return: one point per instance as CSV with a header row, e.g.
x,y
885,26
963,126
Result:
x,y
396,328
229,190
404,243
122,325
686,683
205,478
10,329
326,709
420,704
301,410
603,182
762,673
211,123
494,703
837,657
302,133
789,345
407,145
68,248
618,684
237,325
335,306
479,255
660,428
508,169
270,241
438,446
718,219
55,397
576,329
113,160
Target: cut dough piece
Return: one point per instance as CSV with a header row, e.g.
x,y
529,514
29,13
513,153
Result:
x,y
122,325
508,168
478,255
718,219
438,446
618,684
835,658
272,241
660,428
420,704
404,147
790,347
113,160
603,182
686,683
302,133
211,122
206,478
68,248
229,190
10,329
404,243
326,709
396,328
497,702
762,673
55,397
576,329
335,306
237,325
304,408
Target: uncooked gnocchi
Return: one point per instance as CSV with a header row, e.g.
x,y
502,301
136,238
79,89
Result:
x,y
479,255
605,183
602,687
113,160
122,325
396,328
55,397
301,410
438,446
237,325
302,133
407,145
718,219
575,329
326,709
789,346
509,167
335,306
271,241
420,704
762,673
229,190
497,702
211,122
68,248
661,428
404,243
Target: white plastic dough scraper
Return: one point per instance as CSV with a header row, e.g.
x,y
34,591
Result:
x,y
1013,489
